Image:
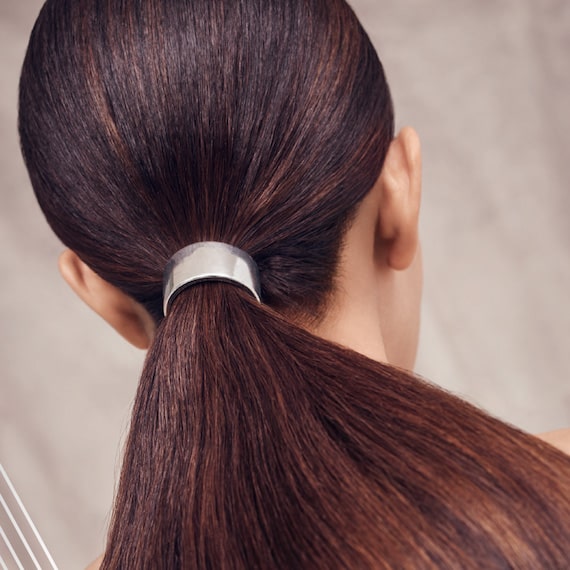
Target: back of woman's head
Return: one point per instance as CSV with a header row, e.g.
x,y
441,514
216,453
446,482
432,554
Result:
x,y
148,125
259,123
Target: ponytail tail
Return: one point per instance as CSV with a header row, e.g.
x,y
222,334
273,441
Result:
x,y
254,444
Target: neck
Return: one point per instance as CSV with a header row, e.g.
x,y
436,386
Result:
x,y
353,319
356,329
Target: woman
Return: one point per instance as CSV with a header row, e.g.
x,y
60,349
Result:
x,y
283,433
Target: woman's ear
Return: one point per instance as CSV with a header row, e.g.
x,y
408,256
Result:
x,y
123,313
401,183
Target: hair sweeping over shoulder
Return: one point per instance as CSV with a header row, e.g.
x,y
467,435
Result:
x,y
147,125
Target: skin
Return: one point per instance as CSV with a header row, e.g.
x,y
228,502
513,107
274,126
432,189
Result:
x,y
376,304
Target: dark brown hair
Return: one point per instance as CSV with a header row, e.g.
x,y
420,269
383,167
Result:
x,y
147,125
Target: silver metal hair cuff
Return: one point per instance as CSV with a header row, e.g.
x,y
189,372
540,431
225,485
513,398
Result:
x,y
209,261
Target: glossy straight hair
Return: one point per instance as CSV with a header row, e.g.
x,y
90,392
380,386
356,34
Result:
x,y
147,125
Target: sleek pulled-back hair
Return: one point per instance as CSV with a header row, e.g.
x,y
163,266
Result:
x,y
147,125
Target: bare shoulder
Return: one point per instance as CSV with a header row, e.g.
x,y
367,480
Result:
x,y
559,438
95,564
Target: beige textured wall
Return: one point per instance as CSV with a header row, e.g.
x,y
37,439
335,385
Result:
x,y
487,85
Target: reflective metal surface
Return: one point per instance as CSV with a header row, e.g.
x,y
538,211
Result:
x,y
209,261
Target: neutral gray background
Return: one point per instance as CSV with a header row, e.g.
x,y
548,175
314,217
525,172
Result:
x,y
487,85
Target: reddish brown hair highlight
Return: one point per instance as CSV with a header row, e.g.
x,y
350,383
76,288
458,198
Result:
x,y
147,125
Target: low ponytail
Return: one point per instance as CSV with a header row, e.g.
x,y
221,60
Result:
x,y
257,445
150,125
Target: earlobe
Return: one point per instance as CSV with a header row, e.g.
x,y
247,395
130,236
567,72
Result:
x,y
70,269
401,182
124,314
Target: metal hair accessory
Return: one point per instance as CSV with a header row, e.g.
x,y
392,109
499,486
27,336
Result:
x,y
209,261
